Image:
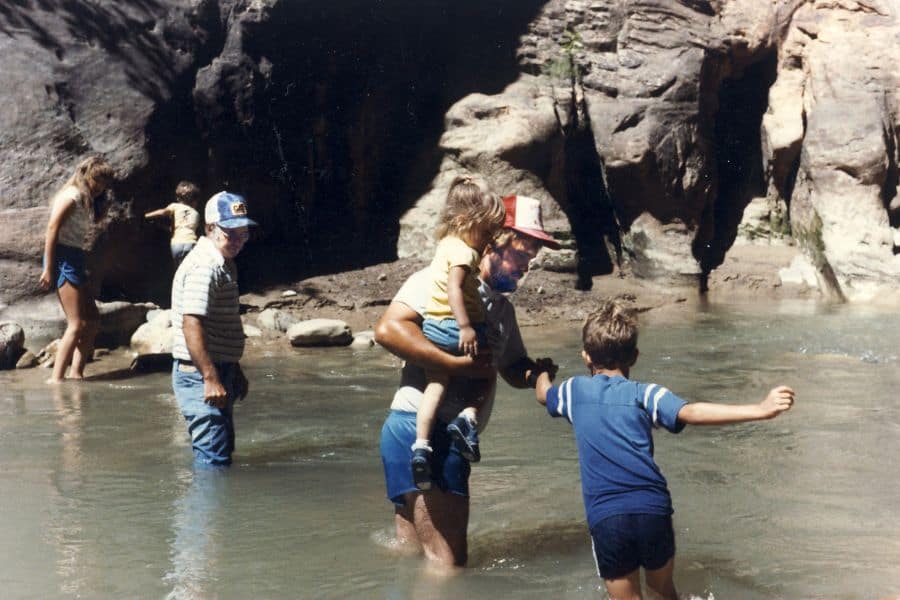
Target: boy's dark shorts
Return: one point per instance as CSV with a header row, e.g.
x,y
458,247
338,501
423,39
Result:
x,y
622,543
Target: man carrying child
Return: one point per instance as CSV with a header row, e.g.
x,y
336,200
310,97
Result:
x,y
435,521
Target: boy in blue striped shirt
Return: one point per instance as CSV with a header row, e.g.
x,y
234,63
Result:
x,y
626,498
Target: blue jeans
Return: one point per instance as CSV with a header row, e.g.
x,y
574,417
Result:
x,y
211,428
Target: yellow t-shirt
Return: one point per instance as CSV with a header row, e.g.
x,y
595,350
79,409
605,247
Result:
x,y
452,252
185,221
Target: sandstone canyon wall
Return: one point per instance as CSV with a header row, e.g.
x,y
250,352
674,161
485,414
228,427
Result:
x,y
645,127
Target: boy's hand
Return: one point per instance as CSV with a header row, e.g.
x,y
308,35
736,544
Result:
x,y
546,365
780,399
468,341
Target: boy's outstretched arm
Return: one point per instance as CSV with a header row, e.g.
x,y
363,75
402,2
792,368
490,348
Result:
x,y
776,402
543,384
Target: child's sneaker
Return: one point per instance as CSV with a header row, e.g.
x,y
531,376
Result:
x,y
421,468
465,438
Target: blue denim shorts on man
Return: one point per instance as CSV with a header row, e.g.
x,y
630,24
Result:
x,y
622,543
444,333
449,470
211,429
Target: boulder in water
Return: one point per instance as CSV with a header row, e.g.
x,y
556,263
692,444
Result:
x,y
320,332
12,342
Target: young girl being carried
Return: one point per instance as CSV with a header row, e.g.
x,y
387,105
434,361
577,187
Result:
x,y
65,248
455,317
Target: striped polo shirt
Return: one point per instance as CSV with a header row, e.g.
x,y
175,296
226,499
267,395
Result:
x,y
205,285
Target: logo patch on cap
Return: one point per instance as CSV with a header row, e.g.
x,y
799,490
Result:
x,y
528,213
239,209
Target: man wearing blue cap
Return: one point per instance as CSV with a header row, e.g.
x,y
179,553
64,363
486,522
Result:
x,y
208,334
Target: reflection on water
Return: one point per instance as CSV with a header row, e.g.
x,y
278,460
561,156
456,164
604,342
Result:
x,y
98,497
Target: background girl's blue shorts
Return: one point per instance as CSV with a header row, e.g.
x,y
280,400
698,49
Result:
x,y
622,543
70,265
449,470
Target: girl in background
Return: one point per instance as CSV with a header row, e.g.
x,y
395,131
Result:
x,y
65,248
185,219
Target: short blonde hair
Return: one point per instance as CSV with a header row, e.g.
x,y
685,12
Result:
x,y
188,193
610,335
469,207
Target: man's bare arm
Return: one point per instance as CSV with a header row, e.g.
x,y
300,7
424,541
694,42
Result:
x,y
399,330
213,391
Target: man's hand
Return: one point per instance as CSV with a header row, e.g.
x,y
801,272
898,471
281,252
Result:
x,y
241,385
468,340
541,365
546,365
778,400
214,392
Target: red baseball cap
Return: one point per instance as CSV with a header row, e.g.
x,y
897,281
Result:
x,y
523,214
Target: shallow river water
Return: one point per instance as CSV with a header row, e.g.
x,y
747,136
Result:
x,y
98,498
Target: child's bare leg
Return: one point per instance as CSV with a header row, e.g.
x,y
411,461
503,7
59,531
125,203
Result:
x,y
660,581
425,417
625,588
431,399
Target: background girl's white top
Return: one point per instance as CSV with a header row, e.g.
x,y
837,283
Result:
x,y
74,229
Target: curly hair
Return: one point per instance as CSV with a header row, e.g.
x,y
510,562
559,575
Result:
x,y
610,335
470,208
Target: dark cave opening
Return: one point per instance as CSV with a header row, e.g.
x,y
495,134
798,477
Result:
x,y
742,101
346,128
587,204
328,123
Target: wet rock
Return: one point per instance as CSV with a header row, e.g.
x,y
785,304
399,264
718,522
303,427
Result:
x,y
119,320
156,336
27,361
320,332
363,339
47,355
12,342
559,261
274,319
800,272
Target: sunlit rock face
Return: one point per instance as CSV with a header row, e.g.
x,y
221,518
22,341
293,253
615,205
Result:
x,y
644,128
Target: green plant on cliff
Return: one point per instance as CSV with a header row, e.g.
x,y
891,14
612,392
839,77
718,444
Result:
x,y
810,239
564,66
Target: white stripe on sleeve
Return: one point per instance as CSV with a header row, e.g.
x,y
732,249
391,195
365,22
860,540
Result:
x,y
662,392
561,399
568,386
647,391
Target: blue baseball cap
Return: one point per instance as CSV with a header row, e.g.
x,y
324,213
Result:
x,y
227,210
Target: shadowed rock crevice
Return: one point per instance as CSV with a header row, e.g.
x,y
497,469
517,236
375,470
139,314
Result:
x,y
338,138
742,101
583,195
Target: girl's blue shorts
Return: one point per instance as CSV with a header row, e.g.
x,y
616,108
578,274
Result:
x,y
70,265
